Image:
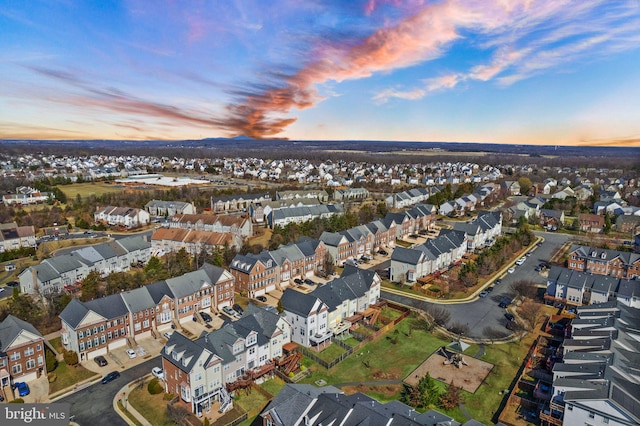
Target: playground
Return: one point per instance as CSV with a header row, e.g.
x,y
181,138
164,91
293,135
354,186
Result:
x,y
447,364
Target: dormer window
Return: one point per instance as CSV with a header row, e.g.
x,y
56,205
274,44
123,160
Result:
x,y
604,255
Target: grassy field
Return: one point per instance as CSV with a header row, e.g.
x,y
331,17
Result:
x,y
87,189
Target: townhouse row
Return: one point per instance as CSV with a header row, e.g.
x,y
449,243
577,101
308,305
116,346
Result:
x,y
576,288
58,273
438,254
197,371
129,217
98,326
331,308
600,261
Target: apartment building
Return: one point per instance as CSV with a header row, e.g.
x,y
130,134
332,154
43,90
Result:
x,y
600,261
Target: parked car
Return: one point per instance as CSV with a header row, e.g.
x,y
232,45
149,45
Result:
x,y
489,289
262,299
483,294
238,308
110,377
538,268
1,289
23,388
13,284
383,252
206,317
167,334
131,353
308,281
100,360
157,372
521,261
509,316
511,270
298,281
504,304
414,236
498,281
230,312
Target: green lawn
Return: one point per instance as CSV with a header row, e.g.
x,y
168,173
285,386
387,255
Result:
x,y
385,360
57,344
88,189
252,402
273,386
68,376
152,407
331,352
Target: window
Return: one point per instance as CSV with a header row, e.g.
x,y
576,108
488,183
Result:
x,y
89,344
96,341
15,356
80,335
103,339
82,346
115,333
31,363
16,369
145,323
40,360
592,414
28,352
198,376
38,347
136,326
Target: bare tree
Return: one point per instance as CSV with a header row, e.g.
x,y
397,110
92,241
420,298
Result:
x,y
439,314
531,312
459,328
524,288
177,413
493,334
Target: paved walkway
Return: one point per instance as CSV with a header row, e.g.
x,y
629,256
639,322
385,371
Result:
x,y
480,352
123,396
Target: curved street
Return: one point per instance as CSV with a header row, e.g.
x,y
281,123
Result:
x,y
482,314
93,405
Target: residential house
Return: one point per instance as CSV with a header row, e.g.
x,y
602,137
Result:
x,y
482,231
22,356
128,217
628,224
286,215
351,194
551,219
13,237
592,223
25,196
317,194
511,186
255,275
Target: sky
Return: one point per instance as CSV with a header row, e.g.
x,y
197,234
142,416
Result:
x,y
550,72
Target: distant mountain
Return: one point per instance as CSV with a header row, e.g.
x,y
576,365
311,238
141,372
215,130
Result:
x,y
235,138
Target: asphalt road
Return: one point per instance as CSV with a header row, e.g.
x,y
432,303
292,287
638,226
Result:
x,y
94,405
483,314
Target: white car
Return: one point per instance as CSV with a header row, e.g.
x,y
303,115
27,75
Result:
x,y
521,261
157,372
131,353
167,334
511,270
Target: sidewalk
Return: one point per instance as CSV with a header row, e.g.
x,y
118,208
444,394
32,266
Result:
x,y
123,396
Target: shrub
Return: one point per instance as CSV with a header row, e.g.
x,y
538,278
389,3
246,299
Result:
x,y
52,362
302,368
154,387
168,396
291,374
70,357
52,377
17,401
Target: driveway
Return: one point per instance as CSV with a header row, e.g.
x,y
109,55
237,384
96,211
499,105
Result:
x,y
484,314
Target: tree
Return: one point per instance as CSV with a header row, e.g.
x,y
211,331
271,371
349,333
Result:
x,y
607,223
525,184
440,315
90,286
531,312
451,398
429,391
328,266
524,288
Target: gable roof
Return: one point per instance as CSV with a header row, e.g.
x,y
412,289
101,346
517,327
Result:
x,y
11,328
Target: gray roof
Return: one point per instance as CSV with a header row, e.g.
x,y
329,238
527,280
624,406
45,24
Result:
x,y
334,293
296,302
332,239
406,255
138,300
187,284
11,328
158,290
134,243
213,272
